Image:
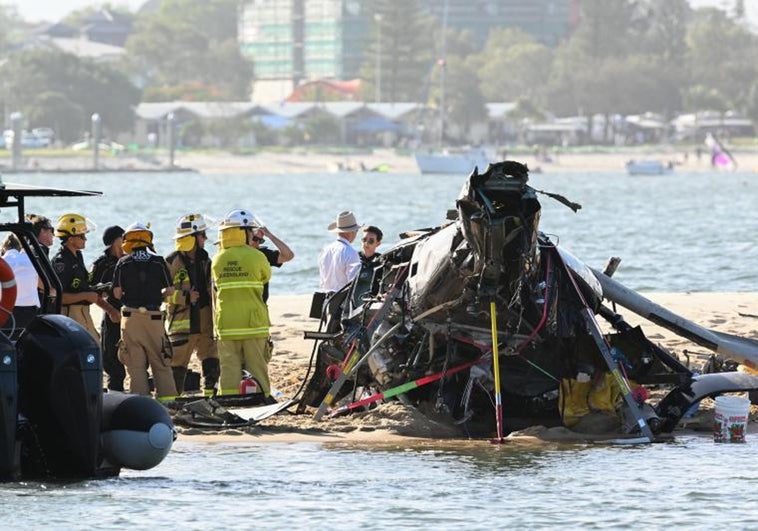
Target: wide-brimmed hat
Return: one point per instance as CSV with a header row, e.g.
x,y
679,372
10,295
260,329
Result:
x,y
345,223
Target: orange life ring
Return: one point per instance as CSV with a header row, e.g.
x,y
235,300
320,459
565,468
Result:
x,y
9,291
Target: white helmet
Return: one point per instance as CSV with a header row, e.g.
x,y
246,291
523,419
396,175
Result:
x,y
240,219
190,224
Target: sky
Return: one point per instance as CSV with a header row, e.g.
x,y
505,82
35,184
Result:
x,y
54,10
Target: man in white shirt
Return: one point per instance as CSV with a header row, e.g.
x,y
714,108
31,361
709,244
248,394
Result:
x,y
338,262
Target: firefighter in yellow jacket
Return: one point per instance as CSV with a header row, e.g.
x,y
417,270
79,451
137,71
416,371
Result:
x,y
241,317
189,320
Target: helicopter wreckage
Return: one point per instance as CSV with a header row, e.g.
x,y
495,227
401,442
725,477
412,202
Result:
x,y
488,322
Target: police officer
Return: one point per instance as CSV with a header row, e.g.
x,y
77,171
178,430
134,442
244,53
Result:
x,y
68,264
190,317
102,273
141,281
241,320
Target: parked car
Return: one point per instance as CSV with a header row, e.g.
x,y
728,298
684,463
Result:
x,y
45,133
28,140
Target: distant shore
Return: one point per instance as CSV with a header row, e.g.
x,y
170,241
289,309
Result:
x,y
313,161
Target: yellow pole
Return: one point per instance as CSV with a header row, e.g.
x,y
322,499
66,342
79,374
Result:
x,y
496,368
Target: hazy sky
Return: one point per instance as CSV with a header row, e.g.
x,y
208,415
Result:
x,y
54,10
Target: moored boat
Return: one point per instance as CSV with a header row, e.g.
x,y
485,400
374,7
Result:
x,y
452,161
649,167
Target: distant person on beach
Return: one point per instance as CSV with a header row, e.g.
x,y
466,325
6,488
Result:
x,y
338,262
190,314
241,317
276,257
68,264
110,331
141,281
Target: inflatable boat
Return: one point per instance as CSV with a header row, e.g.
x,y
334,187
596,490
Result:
x,y
56,423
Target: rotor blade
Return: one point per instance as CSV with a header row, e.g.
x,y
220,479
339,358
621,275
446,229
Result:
x,y
741,349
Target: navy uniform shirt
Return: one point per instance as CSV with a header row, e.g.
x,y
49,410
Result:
x,y
272,256
141,277
102,273
71,271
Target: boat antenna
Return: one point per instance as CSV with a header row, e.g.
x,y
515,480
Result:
x,y
443,64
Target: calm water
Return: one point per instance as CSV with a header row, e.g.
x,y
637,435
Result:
x,y
685,232
689,484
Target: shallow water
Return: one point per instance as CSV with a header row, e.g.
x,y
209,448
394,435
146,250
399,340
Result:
x,y
683,232
691,483
675,233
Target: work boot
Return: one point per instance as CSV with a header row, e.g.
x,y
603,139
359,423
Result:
x,y
179,374
211,374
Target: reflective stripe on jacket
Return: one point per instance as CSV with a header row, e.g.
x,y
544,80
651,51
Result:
x,y
239,274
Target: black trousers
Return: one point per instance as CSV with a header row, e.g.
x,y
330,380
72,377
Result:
x,y
110,335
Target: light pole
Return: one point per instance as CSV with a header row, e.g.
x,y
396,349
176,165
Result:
x,y
96,132
378,20
17,120
171,121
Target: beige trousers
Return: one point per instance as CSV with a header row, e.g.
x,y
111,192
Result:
x,y
202,345
142,337
80,313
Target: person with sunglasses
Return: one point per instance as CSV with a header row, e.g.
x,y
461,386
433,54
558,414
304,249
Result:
x,y
276,257
372,238
68,264
189,312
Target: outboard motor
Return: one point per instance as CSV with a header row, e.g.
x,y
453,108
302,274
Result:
x,y
60,379
9,447
137,431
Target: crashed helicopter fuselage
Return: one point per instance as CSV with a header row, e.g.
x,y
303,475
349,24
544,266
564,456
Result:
x,y
485,320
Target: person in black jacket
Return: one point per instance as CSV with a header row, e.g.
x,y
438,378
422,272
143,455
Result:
x,y
101,277
141,281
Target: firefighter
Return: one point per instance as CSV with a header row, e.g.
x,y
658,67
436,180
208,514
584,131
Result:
x,y
189,314
141,281
68,264
102,274
241,318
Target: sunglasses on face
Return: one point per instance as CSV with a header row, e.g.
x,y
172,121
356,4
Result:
x,y
369,240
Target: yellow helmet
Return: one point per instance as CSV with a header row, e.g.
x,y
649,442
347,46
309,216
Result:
x,y
72,224
137,235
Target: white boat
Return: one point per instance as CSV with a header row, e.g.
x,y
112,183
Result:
x,y
649,167
452,161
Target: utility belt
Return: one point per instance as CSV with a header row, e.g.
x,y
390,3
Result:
x,y
155,315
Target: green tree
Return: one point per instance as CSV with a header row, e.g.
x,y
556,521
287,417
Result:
x,y
9,23
186,42
75,84
56,110
464,102
722,57
403,32
511,63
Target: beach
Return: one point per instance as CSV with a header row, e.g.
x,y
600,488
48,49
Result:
x,y
733,313
302,160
